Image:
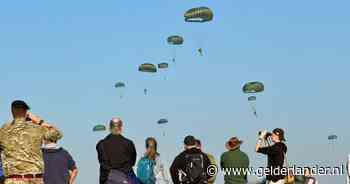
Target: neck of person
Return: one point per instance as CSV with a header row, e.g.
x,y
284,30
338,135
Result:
x,y
190,147
19,117
117,133
234,149
51,145
277,141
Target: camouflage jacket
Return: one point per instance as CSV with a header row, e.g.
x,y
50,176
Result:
x,y
21,142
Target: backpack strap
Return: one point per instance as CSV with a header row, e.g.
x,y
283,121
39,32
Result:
x,y
181,175
202,160
285,160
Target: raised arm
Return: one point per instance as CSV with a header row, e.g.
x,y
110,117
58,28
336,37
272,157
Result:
x,y
261,143
39,121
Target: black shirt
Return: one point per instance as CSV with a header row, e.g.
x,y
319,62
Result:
x,y
180,163
115,152
275,159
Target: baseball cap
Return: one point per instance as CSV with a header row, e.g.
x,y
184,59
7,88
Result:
x,y
190,140
115,122
20,104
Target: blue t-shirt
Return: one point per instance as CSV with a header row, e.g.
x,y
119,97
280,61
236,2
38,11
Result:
x,y
58,163
1,172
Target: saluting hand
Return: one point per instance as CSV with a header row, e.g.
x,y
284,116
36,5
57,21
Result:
x,y
35,119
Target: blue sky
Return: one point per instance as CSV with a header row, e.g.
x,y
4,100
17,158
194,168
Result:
x,y
64,57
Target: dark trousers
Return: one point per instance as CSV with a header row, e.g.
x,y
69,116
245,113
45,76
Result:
x,y
117,177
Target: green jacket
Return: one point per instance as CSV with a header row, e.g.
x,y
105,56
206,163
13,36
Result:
x,y
299,179
235,159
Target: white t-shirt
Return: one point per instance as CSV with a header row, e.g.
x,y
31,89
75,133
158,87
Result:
x,y
161,173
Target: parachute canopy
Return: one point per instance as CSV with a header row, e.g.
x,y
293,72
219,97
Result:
x,y
200,14
119,85
175,40
162,121
99,128
148,67
252,98
253,87
332,137
163,65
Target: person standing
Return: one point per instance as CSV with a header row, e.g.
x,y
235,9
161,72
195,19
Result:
x,y
234,158
212,161
117,156
150,169
60,167
2,177
190,166
275,154
21,141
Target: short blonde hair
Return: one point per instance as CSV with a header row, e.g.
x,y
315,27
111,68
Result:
x,y
53,135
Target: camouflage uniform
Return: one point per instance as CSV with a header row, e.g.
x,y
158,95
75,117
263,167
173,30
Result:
x,y
21,142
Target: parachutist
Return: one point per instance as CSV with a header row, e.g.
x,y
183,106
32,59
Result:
x,y
162,122
148,68
120,87
175,40
255,114
253,88
99,127
200,51
199,14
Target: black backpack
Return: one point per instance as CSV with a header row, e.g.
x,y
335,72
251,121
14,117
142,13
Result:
x,y
194,173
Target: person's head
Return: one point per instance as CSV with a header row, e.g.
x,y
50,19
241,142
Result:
x,y
151,147
19,109
198,144
277,135
116,126
233,143
52,136
190,142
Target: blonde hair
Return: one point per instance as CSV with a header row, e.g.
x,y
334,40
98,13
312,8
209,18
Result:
x,y
53,135
151,146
